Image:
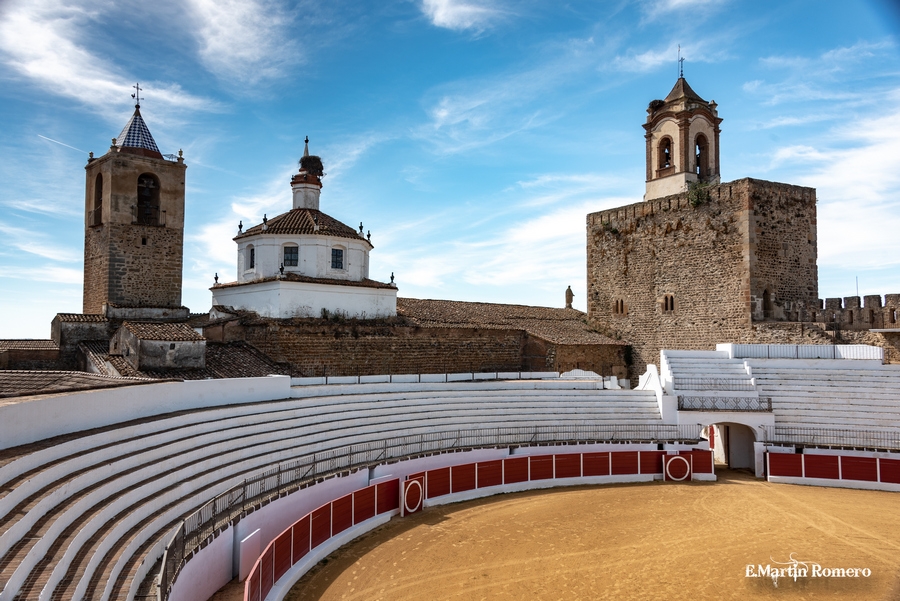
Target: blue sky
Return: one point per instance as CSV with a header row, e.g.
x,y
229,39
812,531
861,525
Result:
x,y
470,136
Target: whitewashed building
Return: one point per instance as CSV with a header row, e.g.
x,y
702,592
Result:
x,y
304,263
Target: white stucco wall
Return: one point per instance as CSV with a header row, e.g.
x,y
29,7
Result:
x,y
44,417
282,299
314,257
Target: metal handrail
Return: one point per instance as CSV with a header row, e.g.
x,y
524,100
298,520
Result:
x,y
216,514
708,383
888,440
721,403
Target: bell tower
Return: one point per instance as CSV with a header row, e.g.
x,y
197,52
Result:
x,y
682,135
134,223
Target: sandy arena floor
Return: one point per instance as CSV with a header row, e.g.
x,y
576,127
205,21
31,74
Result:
x,y
643,541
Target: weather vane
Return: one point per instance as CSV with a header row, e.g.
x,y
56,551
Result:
x,y
137,95
680,62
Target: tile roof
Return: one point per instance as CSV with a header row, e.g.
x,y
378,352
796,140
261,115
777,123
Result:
x,y
559,326
81,317
29,345
136,135
301,221
230,360
16,383
95,352
296,277
223,360
682,90
162,331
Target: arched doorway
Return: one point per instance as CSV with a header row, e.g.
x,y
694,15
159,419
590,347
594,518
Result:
x,y
733,445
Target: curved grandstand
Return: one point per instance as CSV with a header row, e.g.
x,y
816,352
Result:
x,y
107,494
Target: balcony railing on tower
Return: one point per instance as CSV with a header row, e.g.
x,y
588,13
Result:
x,y
148,215
95,216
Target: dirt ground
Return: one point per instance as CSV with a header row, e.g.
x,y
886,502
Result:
x,y
637,541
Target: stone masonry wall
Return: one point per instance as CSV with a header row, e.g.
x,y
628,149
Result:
x,y
639,255
352,348
132,265
369,350
783,250
96,269
669,273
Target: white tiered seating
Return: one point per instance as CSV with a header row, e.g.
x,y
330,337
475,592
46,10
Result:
x,y
831,394
74,516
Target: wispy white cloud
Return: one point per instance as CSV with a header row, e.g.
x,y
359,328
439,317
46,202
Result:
x,y
36,243
636,61
472,114
463,14
244,40
501,250
825,77
347,152
654,9
44,41
853,168
46,273
213,249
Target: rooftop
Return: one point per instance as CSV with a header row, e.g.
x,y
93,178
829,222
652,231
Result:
x,y
559,326
81,317
223,360
303,221
295,277
16,383
136,136
162,331
683,90
28,345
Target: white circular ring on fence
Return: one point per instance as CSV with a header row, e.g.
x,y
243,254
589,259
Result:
x,y
687,468
418,504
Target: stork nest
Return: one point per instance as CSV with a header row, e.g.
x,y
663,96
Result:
x,y
313,165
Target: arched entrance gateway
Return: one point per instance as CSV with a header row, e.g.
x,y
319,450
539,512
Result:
x,y
732,444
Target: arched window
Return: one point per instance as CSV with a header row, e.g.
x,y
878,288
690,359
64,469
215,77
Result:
x,y
669,303
665,153
96,217
148,199
701,151
892,314
291,255
619,308
251,257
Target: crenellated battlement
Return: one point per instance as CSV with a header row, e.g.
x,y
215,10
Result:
x,y
853,313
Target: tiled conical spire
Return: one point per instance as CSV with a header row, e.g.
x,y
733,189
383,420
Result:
x,y
135,135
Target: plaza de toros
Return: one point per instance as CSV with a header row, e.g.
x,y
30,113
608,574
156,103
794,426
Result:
x,y
149,452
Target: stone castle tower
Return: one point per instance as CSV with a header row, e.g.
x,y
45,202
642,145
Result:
x,y
690,268
682,141
134,224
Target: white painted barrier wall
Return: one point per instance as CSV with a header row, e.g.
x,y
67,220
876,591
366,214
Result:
x,y
48,416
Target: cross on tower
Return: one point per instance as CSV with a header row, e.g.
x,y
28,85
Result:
x,y
137,95
680,62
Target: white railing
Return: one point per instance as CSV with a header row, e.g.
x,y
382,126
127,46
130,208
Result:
x,y
425,378
802,351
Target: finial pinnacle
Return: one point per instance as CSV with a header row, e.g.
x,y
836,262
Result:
x,y
137,95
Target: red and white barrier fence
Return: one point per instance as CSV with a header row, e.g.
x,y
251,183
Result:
x,y
845,471
412,493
